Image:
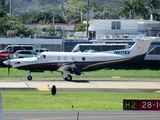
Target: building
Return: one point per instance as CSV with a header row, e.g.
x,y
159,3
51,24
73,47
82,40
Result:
x,y
51,44
60,29
122,28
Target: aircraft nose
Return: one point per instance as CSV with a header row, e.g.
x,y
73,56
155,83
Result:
x,y
6,62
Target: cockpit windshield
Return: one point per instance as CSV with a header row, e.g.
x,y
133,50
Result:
x,y
90,51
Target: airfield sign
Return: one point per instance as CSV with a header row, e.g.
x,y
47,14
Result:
x,y
141,104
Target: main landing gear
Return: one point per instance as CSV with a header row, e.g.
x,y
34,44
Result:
x,y
69,78
66,76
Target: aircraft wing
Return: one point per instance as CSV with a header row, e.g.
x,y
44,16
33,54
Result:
x,y
70,67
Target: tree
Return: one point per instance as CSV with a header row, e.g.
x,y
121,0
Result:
x,y
2,13
80,27
133,9
50,30
153,8
152,4
10,23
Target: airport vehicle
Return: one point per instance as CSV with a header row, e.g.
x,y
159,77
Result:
x,y
77,62
24,54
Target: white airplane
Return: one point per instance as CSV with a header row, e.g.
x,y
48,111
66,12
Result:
x,y
77,62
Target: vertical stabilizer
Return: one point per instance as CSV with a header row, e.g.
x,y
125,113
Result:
x,y
140,47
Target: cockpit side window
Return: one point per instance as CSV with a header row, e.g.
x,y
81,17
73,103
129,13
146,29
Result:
x,y
44,56
41,57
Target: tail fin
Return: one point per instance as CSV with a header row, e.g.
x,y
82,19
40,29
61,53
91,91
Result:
x,y
140,47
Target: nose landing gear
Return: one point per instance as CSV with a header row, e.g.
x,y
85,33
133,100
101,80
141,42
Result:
x,y
29,76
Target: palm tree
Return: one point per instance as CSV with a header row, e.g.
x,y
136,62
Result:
x,y
153,8
152,4
133,8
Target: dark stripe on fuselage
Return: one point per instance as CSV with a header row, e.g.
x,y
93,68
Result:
x,y
82,66
113,63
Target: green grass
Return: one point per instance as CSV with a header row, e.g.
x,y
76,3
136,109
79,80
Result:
x,y
99,72
64,100
151,75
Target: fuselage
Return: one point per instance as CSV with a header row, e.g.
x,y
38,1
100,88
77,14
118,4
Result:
x,y
51,61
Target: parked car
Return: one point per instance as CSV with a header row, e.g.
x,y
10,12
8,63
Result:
x,y
3,56
24,47
11,49
25,53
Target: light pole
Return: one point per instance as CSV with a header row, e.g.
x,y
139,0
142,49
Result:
x,y
53,22
10,7
87,34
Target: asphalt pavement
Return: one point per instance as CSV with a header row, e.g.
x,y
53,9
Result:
x,y
80,115
119,86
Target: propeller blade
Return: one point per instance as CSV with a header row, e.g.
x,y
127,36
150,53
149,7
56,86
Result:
x,y
8,70
8,63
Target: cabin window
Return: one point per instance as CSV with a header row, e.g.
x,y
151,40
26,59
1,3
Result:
x,y
65,58
58,57
116,25
73,58
83,58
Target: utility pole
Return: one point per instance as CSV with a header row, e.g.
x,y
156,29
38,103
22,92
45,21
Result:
x,y
53,17
87,34
10,7
81,15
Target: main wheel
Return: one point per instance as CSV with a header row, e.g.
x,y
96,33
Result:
x,y
29,77
69,78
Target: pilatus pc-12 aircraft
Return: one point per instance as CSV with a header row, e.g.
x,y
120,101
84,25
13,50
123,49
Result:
x,y
77,62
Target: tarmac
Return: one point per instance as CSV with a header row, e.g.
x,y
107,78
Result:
x,y
103,86
79,115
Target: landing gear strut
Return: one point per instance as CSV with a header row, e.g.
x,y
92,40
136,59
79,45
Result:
x,y
69,78
29,77
66,76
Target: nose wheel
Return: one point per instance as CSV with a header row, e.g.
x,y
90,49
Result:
x,y
29,77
